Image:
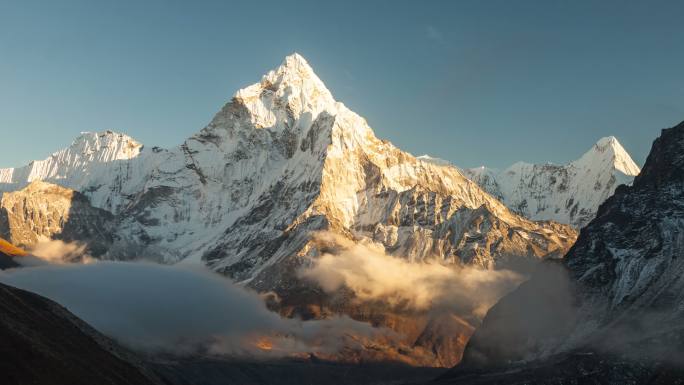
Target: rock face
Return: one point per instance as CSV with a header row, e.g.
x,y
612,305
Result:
x,y
42,343
281,161
622,293
43,211
568,193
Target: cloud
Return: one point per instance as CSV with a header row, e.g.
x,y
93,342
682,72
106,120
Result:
x,y
179,310
56,251
373,275
188,309
48,251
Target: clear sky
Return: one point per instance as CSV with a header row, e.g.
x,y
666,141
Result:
x,y
474,82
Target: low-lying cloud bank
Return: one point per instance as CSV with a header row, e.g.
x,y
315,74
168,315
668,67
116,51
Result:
x,y
56,251
179,309
373,275
188,309
51,251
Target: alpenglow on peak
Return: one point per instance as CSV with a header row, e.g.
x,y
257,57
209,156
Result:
x,y
293,89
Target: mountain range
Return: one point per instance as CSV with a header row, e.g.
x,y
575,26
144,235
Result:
x,y
284,174
569,193
283,137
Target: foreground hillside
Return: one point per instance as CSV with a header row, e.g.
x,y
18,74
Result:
x,y
42,343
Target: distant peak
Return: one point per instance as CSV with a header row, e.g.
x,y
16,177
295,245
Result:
x,y
607,140
296,73
104,133
104,146
609,150
105,138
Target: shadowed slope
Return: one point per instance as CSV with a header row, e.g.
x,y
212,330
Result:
x,y
42,343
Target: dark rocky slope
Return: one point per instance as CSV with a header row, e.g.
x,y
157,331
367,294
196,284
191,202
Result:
x,y
42,343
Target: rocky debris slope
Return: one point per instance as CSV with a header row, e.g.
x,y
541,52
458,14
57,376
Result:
x,y
568,193
42,343
616,300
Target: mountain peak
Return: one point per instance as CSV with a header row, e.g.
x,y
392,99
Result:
x,y
286,92
609,150
296,72
608,141
103,146
296,62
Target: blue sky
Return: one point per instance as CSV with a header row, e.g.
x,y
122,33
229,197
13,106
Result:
x,y
475,82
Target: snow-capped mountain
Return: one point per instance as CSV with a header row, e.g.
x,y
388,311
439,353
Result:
x,y
281,161
621,310
568,193
96,163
